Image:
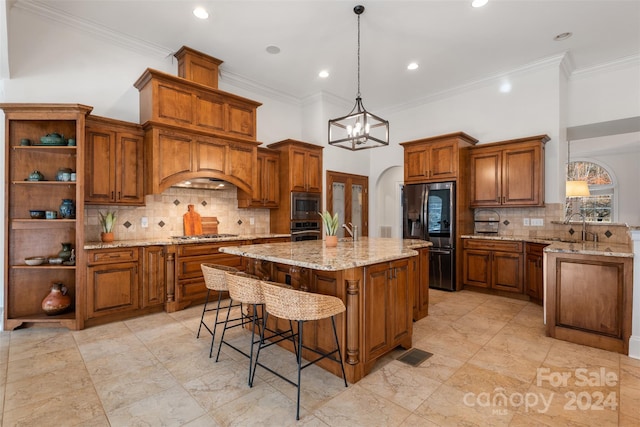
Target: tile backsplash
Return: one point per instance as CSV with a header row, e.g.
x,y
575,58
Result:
x,y
164,214
552,215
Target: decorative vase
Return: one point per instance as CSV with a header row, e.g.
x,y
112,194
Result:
x,y
65,253
57,302
106,237
67,209
331,241
61,172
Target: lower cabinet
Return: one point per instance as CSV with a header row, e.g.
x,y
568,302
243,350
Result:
x,y
387,293
112,282
534,272
493,264
153,276
589,299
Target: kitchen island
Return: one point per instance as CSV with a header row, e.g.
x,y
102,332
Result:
x,y
374,277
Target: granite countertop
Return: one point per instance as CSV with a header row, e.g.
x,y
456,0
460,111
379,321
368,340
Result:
x,y
174,241
348,254
575,247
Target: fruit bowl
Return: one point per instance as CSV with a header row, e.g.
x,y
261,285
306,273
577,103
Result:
x,y
37,214
34,260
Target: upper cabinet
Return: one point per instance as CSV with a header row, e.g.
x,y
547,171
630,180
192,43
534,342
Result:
x,y
508,173
266,189
198,67
302,165
434,159
175,101
113,162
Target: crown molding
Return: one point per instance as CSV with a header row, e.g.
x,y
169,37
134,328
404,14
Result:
x,y
236,80
627,61
43,10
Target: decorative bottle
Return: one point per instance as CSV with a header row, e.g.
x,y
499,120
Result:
x,y
57,302
65,253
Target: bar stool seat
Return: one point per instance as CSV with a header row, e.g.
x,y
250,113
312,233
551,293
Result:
x,y
299,306
215,280
245,289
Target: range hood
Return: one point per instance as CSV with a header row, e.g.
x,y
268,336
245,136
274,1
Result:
x,y
205,183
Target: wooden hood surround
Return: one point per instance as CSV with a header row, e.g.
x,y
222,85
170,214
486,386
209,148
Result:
x,y
195,130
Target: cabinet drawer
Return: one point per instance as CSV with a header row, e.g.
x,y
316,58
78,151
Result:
x,y
105,256
493,245
207,248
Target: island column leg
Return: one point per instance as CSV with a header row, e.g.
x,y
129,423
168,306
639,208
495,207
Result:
x,y
353,315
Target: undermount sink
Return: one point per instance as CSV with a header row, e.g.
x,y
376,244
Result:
x,y
558,239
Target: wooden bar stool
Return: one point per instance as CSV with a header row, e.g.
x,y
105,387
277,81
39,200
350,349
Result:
x,y
215,280
299,306
245,289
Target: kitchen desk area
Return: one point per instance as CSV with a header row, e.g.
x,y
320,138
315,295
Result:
x,y
374,277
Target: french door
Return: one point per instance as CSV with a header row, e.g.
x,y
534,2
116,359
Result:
x,y
347,195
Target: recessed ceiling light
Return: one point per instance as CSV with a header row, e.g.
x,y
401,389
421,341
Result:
x,y
323,74
274,50
562,36
199,12
505,87
479,3
412,66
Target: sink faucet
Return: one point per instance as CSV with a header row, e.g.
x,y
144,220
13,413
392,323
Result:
x,y
584,226
353,231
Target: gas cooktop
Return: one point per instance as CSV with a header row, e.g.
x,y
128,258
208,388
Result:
x,y
203,236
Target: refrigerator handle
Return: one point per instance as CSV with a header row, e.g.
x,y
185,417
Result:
x,y
424,212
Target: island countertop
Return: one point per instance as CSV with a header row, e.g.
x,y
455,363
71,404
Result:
x,y
315,255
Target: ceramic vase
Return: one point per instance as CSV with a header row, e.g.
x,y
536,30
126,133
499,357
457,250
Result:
x,y
331,241
65,253
57,302
67,209
106,237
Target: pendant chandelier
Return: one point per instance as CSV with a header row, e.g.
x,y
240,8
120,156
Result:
x,y
359,129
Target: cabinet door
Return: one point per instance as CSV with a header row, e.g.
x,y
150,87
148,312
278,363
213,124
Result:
x,y
533,276
376,311
314,171
443,161
129,169
421,285
521,176
486,178
269,169
112,288
100,160
416,164
153,276
507,271
399,300
477,268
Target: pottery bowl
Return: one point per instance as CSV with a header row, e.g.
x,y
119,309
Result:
x,y
55,260
34,260
37,214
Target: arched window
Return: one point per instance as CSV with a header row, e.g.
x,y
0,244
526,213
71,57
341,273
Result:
x,y
598,207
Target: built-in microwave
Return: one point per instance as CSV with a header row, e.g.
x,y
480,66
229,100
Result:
x,y
305,205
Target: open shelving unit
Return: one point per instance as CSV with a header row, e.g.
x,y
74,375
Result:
x,y
26,286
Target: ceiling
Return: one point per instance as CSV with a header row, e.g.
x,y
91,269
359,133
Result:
x,y
453,43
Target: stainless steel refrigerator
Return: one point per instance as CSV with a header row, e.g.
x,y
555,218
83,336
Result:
x,y
429,214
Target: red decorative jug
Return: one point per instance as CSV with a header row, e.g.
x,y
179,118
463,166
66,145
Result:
x,y
57,302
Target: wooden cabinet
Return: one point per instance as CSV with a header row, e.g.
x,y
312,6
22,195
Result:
x,y
421,284
534,271
300,170
112,282
589,299
153,281
493,264
174,101
266,189
197,67
26,286
113,162
173,155
190,287
508,173
387,295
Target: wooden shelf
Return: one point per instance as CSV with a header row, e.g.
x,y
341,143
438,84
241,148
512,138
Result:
x,y
48,148
45,266
45,182
31,224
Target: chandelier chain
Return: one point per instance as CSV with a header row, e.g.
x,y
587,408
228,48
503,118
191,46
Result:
x,y
358,94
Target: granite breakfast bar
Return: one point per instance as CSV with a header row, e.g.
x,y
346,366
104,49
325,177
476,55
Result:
x,y
374,277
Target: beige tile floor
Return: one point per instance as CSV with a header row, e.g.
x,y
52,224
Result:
x,y
491,365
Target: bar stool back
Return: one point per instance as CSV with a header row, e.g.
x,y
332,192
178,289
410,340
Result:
x,y
215,280
299,306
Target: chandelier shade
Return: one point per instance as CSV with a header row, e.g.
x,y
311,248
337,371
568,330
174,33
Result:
x,y
359,129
